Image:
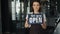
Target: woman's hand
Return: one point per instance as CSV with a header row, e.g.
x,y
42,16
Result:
x,y
44,25
26,24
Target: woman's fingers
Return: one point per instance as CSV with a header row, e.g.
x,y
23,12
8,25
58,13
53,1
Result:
x,y
43,26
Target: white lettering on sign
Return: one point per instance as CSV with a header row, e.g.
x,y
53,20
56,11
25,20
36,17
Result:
x,y
40,19
31,20
35,19
32,15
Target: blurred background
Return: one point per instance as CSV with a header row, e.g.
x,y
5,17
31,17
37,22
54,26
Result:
x,y
13,14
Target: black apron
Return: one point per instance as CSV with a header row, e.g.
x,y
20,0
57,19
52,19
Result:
x,y
35,29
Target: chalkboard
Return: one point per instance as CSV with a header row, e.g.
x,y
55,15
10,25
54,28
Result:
x,y
35,18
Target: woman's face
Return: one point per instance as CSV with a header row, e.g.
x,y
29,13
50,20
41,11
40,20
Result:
x,y
36,6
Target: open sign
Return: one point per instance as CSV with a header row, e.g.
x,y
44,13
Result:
x,y
35,18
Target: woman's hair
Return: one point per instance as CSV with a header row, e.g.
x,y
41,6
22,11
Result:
x,y
31,4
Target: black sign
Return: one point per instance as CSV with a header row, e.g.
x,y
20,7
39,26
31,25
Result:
x,y
35,18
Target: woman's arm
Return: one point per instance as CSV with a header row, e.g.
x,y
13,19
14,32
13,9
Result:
x,y
44,26
26,24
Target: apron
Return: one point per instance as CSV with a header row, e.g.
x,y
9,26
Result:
x,y
35,29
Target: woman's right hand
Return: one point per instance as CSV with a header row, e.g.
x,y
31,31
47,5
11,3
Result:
x,y
26,24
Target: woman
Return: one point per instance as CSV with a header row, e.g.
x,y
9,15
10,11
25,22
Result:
x,y
36,28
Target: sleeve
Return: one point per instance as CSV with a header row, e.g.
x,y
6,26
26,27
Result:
x,y
27,16
44,16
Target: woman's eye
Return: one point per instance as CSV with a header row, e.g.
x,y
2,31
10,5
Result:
x,y
33,5
37,5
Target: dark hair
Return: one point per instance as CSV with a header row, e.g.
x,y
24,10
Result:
x,y
31,4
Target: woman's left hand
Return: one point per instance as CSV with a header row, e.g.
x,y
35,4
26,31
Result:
x,y
44,25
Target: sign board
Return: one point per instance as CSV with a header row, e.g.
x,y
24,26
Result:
x,y
35,18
